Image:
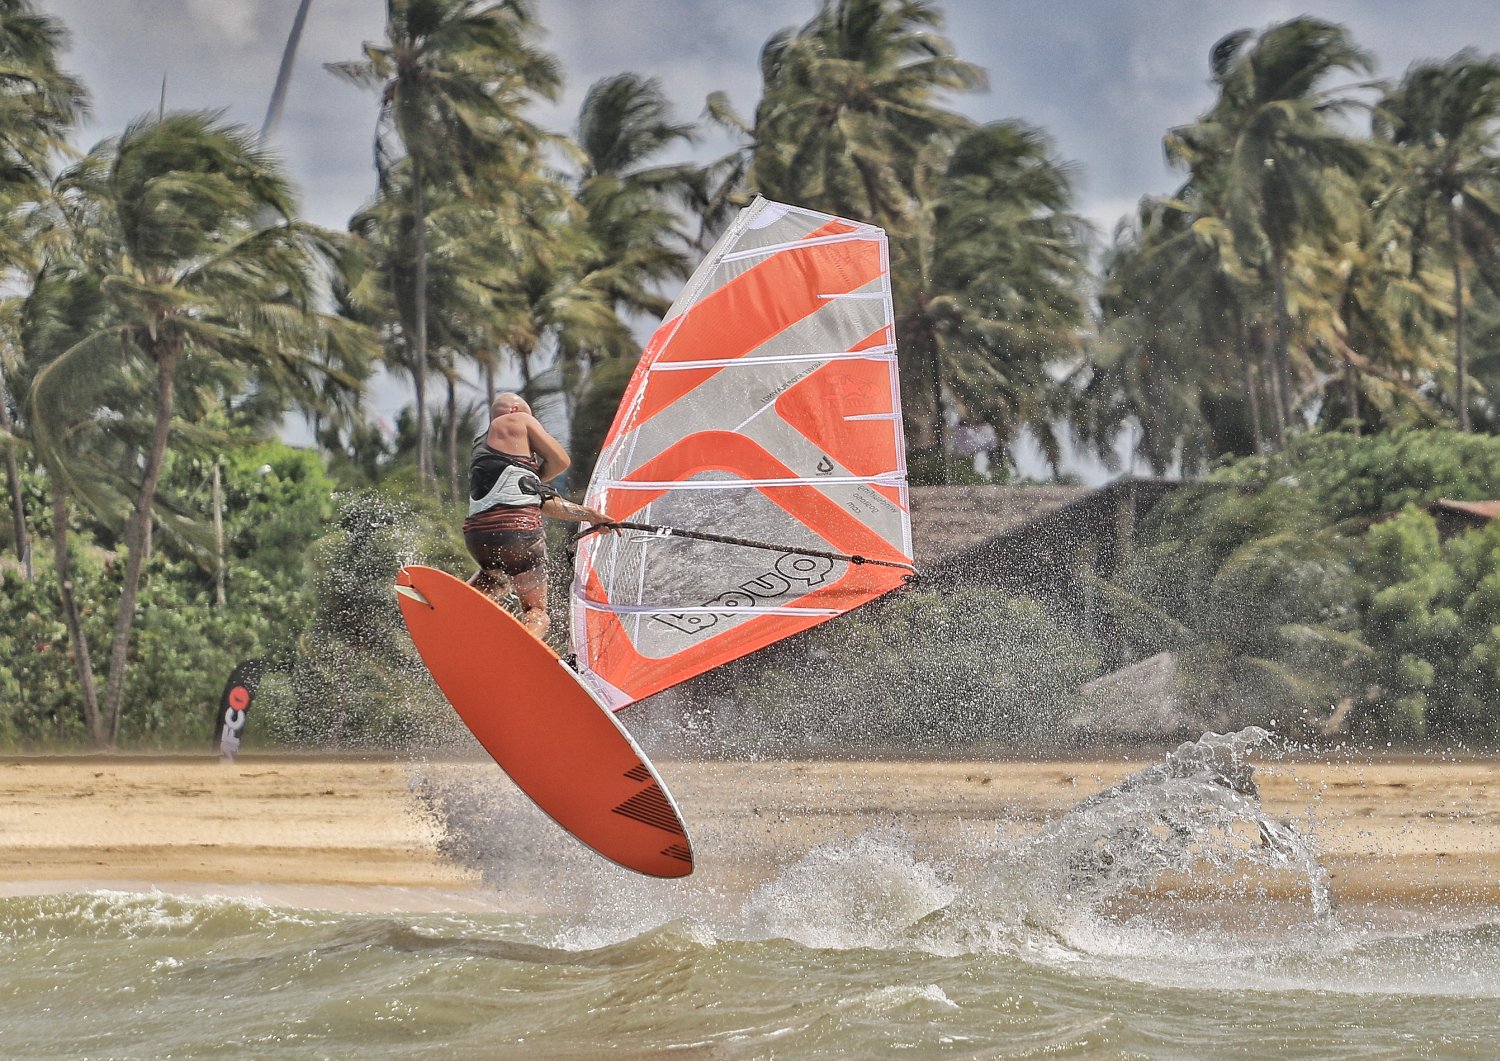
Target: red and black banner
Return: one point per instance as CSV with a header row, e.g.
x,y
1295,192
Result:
x,y
234,705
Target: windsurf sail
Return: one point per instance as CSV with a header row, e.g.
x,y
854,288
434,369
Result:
x,y
763,422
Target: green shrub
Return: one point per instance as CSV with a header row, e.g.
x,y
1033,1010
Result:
x,y
1348,476
1431,612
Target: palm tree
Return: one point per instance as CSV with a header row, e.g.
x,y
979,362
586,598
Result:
x,y
628,203
1374,320
1268,162
630,231
1442,118
1173,356
466,261
38,105
454,77
177,270
989,296
9,441
848,102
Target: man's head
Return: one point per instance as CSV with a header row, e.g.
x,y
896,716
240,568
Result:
x,y
508,403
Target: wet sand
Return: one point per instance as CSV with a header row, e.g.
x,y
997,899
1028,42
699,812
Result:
x,y
346,832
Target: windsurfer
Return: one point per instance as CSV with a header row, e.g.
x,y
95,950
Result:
x,y
513,461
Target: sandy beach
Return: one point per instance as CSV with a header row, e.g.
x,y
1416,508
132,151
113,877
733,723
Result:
x,y
343,831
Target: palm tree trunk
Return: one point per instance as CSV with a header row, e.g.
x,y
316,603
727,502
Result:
x,y
13,481
82,661
523,358
1460,321
1252,398
1283,338
1351,386
284,73
939,428
218,499
1268,374
137,532
419,325
452,437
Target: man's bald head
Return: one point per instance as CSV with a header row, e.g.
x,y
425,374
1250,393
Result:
x,y
508,403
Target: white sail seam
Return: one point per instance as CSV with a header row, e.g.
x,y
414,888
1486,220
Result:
x,y
875,353
889,479
739,427
796,244
700,609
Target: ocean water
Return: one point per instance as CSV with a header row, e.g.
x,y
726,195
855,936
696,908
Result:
x,y
872,946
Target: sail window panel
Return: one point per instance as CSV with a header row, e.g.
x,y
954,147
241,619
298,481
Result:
x,y
869,520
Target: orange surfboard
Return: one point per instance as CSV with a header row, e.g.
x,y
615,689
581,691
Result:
x,y
559,745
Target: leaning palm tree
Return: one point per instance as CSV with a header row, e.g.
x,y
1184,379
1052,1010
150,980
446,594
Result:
x,y
626,197
1267,159
1173,359
991,296
1443,119
849,100
455,77
631,233
39,103
177,269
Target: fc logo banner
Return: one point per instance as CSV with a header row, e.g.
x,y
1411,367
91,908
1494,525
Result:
x,y
234,705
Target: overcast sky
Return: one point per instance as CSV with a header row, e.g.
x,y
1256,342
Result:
x,y
1105,78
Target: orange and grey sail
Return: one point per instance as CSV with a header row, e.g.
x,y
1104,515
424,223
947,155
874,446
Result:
x,y
759,444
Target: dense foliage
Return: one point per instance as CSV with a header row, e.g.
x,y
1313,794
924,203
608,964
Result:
x,y
1315,310
1311,589
1430,611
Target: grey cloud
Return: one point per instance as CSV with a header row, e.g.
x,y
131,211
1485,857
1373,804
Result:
x,y
1105,79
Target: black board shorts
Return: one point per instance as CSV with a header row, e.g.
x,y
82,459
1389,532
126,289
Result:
x,y
514,552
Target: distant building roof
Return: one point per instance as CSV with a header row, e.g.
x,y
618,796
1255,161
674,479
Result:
x,y
1483,511
946,520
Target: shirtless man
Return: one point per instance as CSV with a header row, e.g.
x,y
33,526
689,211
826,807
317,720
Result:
x,y
503,531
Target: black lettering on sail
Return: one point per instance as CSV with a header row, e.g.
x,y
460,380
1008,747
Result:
x,y
688,622
812,570
767,586
791,568
732,599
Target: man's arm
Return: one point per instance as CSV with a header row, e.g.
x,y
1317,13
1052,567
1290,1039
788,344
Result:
x,y
554,458
563,509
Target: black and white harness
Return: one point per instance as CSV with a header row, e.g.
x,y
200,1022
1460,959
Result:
x,y
516,485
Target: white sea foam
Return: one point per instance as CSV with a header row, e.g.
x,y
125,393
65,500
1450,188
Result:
x,y
865,892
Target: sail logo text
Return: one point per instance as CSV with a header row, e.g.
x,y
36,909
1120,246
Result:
x,y
790,570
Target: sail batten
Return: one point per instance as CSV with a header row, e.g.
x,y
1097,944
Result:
x,y
765,409
878,354
662,609
752,484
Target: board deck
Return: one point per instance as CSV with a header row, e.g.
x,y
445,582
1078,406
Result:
x,y
559,745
